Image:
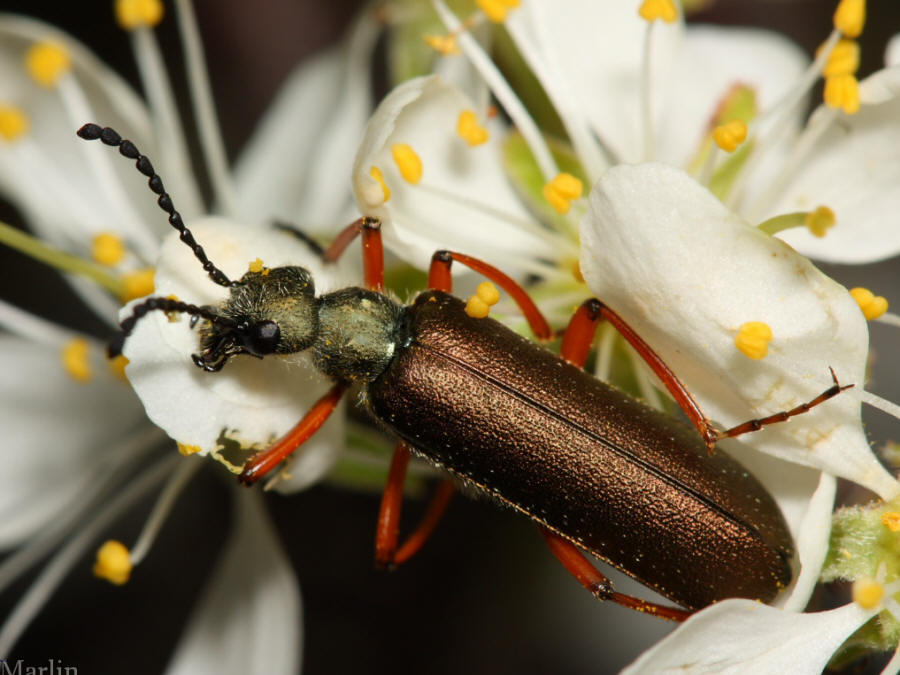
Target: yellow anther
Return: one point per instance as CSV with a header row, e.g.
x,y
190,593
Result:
x,y
75,359
470,130
867,593
561,191
730,135
820,221
117,366
375,172
651,10
843,60
13,122
891,520
477,308
137,284
113,563
753,339
107,249
46,62
133,14
496,10
872,305
488,293
443,44
408,162
842,91
188,450
850,17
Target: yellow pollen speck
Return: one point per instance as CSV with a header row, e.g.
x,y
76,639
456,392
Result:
x,y
46,62
470,130
872,306
107,249
443,44
842,91
843,60
730,135
408,162
137,284
75,359
867,593
820,221
561,191
173,317
496,10
850,17
256,266
753,339
651,10
13,122
117,366
113,563
375,172
132,14
891,520
477,308
188,450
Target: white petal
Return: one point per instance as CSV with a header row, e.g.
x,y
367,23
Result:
x,y
463,201
741,636
854,169
249,619
252,401
297,165
56,433
892,51
686,273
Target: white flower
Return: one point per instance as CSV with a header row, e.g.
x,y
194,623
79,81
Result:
x,y
82,443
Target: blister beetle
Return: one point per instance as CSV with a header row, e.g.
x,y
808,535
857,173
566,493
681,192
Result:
x,y
595,469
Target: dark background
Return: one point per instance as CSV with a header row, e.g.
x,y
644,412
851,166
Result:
x,y
485,595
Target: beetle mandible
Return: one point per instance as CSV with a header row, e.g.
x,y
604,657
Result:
x,y
597,470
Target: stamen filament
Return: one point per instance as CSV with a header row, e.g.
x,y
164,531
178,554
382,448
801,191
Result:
x,y
204,108
56,570
890,319
646,103
32,328
645,382
605,351
876,401
504,93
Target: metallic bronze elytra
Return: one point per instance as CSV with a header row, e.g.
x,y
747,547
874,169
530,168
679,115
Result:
x,y
595,469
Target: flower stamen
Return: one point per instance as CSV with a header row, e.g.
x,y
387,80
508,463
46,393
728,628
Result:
x,y
651,10
496,10
561,191
730,135
408,162
137,284
443,44
486,296
850,17
107,249
753,339
113,563
131,14
470,130
13,123
872,306
75,359
868,593
385,194
46,62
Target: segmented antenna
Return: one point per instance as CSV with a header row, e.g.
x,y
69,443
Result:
x,y
91,132
164,305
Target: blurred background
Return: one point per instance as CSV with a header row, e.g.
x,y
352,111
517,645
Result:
x,y
485,595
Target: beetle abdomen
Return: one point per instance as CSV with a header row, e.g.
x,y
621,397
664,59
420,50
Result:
x,y
616,477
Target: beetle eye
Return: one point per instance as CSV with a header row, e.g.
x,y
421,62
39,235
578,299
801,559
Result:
x,y
263,338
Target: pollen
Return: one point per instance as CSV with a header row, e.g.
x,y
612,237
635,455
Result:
x,y
872,305
188,450
842,91
375,172
843,60
257,266
408,162
730,135
819,221
891,520
13,122
850,17
561,191
867,593
753,339
107,249
486,296
113,562
117,367
496,10
137,284
133,14
173,317
75,359
46,62
470,130
651,10
443,44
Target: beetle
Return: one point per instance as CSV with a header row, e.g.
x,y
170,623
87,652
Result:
x,y
597,470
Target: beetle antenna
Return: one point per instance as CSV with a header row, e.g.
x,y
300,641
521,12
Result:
x,y
164,305
91,132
